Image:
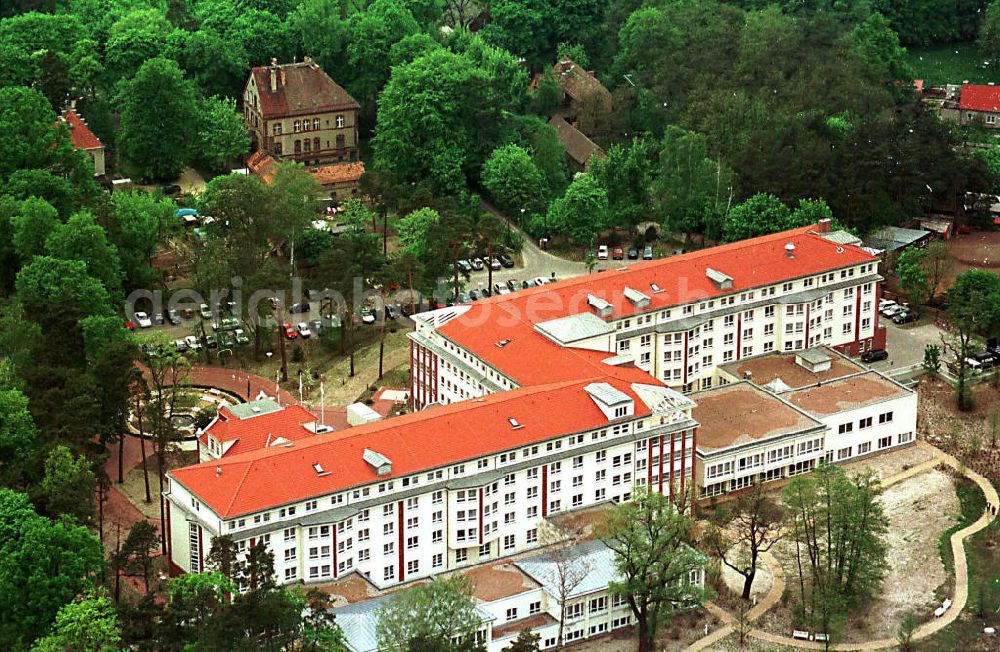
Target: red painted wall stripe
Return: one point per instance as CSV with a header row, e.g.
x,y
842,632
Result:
x,y
333,549
402,542
545,490
480,516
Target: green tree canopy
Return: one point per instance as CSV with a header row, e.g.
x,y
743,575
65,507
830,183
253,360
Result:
x,y
68,485
87,624
43,565
47,281
158,115
582,212
414,230
514,181
440,611
82,239
222,137
35,220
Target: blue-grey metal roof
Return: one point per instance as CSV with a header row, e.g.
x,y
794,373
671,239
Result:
x,y
254,408
607,393
592,558
359,621
895,237
573,328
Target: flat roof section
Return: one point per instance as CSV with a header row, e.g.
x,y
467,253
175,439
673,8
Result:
x,y
498,581
845,394
766,368
742,413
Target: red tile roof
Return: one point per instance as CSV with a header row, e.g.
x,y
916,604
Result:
x,y
260,431
551,401
435,437
980,97
300,88
751,264
79,133
261,164
328,175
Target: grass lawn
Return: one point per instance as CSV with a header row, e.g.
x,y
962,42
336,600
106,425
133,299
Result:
x,y
951,64
984,567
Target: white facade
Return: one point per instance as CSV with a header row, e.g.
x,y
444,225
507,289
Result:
x,y
684,345
417,526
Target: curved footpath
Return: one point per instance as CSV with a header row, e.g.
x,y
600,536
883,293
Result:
x,y
923,631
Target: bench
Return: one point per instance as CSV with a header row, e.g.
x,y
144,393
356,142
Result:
x,y
800,634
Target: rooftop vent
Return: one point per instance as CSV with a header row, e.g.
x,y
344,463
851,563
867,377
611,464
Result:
x,y
722,281
381,464
638,299
218,471
656,288
514,424
320,471
255,409
600,306
790,250
503,343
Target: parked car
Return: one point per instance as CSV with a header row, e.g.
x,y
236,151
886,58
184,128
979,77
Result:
x,y
241,337
893,310
181,345
211,341
618,254
495,264
464,266
602,252
477,264
143,320
475,295
503,290
226,324
905,317
874,355
192,342
506,260
289,331
303,329
368,317
647,253
158,319
513,285
205,311
226,340
885,303
392,312
529,283
633,253
298,308
497,286
463,297
486,292
174,317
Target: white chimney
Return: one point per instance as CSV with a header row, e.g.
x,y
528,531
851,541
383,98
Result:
x,y
274,81
790,250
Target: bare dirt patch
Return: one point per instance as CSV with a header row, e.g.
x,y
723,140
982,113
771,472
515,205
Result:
x,y
920,509
762,581
981,249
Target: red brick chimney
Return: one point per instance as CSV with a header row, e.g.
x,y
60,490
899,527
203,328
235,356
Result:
x,y
823,226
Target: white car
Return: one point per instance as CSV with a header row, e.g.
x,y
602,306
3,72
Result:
x,y
368,317
192,342
541,280
602,252
885,303
303,329
893,310
143,320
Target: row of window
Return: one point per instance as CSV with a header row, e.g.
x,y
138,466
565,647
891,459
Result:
x,y
307,125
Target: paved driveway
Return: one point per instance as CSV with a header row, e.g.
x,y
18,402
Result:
x,y
905,344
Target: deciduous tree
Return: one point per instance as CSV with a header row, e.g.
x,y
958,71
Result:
x,y
582,212
651,541
755,526
440,612
158,110
87,624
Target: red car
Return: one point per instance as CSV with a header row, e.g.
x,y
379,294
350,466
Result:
x,y
618,254
290,331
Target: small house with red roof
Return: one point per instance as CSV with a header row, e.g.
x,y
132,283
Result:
x,y
338,181
84,139
296,112
980,102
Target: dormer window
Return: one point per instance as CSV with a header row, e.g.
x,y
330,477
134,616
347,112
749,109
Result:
x,y
381,464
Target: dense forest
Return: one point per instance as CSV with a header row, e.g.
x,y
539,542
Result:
x,y
728,119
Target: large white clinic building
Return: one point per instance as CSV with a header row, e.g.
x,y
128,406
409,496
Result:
x,y
699,374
